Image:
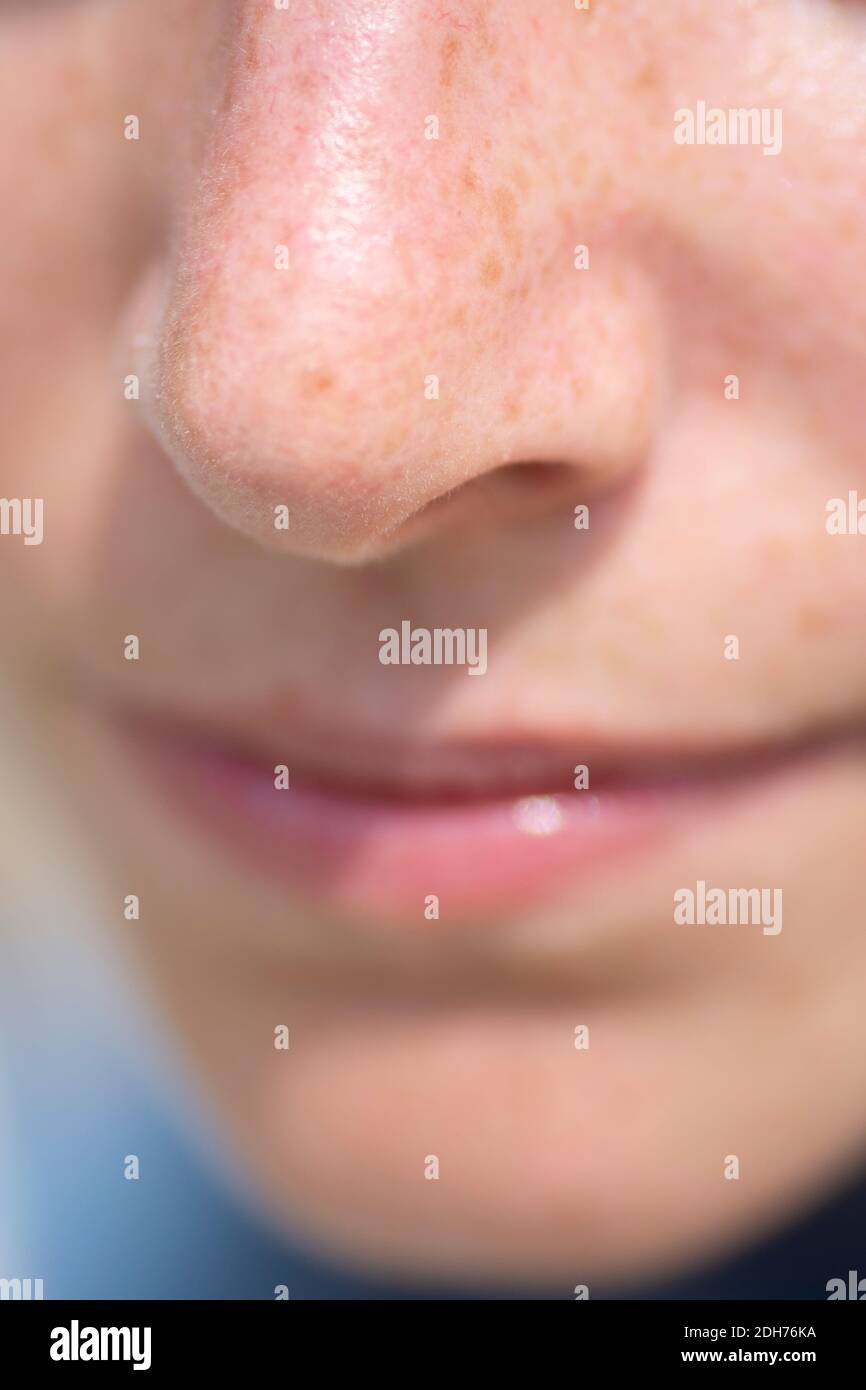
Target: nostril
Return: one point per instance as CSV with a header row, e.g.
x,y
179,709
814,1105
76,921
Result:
x,y
533,475
527,478
512,491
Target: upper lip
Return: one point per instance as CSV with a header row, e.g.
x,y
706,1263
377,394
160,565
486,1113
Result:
x,y
366,761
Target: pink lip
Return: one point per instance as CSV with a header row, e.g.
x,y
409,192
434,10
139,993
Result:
x,y
382,856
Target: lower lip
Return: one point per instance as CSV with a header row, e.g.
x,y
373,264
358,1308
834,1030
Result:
x,y
383,859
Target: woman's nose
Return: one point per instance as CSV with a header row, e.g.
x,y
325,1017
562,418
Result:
x,y
379,291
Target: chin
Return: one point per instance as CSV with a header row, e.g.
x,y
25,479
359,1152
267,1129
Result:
x,y
478,1147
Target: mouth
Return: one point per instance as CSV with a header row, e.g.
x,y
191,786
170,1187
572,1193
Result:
x,y
439,834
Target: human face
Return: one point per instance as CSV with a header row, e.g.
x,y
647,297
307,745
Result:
x,y
329,318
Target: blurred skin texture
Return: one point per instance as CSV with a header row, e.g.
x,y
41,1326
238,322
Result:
x,y
305,386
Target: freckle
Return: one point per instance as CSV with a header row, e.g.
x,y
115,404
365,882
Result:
x,y
317,383
511,408
394,442
458,317
470,179
815,621
800,355
491,270
449,55
647,79
250,51
504,203
487,42
850,226
521,178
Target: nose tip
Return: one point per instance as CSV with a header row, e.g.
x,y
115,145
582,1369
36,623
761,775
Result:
x,y
354,323
296,421
321,421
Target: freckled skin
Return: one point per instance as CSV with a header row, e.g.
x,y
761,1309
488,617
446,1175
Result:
x,y
454,257
491,270
449,57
